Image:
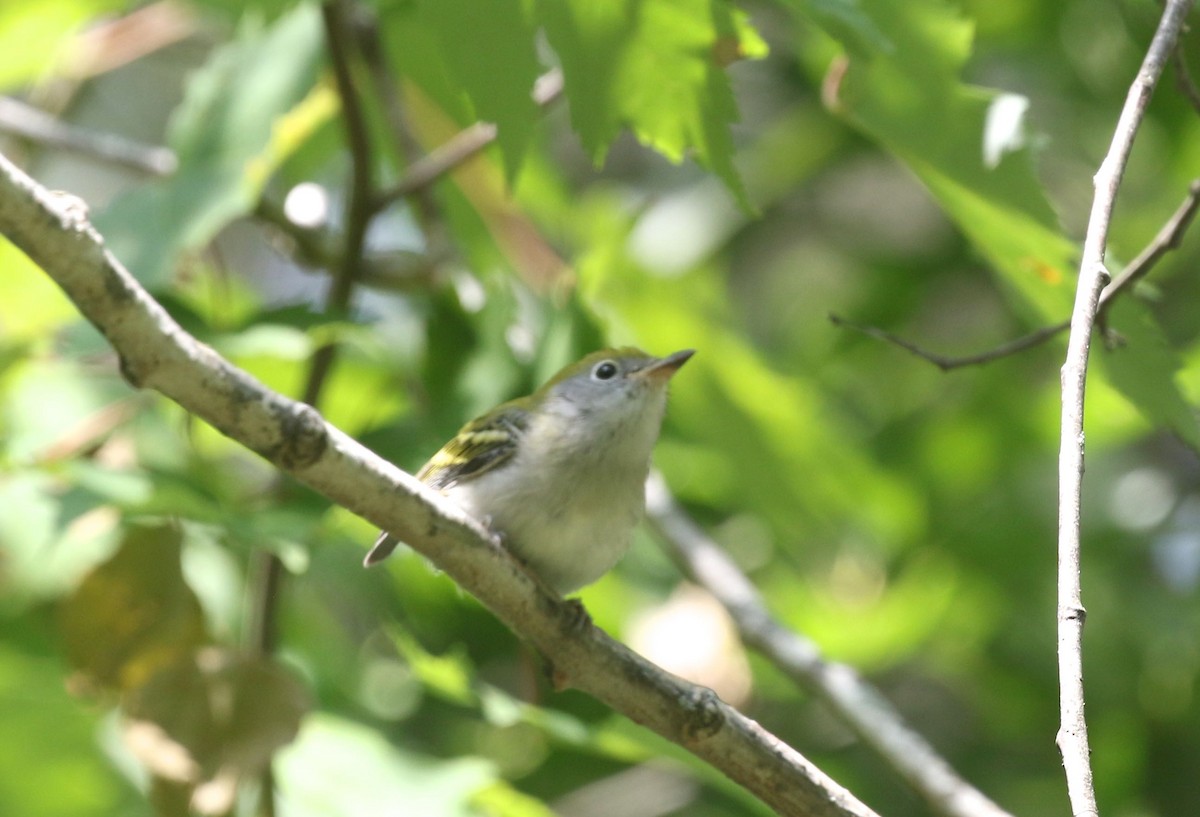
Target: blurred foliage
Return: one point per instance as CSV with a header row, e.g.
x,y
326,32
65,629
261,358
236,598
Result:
x,y
715,177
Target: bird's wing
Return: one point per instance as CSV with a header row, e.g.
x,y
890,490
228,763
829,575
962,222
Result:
x,y
481,445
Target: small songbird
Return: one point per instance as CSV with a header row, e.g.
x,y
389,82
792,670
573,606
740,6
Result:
x,y
561,474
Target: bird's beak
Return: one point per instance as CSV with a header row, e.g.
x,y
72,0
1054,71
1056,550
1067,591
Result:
x,y
660,371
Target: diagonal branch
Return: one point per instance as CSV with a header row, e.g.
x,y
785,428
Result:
x,y
838,686
465,144
156,353
32,123
1072,734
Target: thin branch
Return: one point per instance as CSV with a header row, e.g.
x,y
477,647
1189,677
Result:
x,y
156,353
946,363
387,87
1168,238
838,686
465,144
360,209
361,206
319,249
315,246
118,41
1072,735
36,125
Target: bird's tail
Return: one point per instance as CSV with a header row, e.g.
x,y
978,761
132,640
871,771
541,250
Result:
x,y
382,549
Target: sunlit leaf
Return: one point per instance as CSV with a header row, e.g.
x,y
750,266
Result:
x,y
32,305
35,38
340,767
648,65
895,93
52,766
449,676
500,87
501,799
225,136
47,401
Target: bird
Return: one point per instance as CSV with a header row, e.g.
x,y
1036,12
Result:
x,y
560,474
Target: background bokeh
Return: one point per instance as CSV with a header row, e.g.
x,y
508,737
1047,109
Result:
x,y
713,177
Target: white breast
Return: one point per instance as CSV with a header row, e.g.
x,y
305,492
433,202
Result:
x,y
570,511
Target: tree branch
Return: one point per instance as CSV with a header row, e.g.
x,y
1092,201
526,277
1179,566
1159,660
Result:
x,y
1072,735
360,209
838,686
947,363
465,144
38,126
156,353
361,206
1168,238
406,146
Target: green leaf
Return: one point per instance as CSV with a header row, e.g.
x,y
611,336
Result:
x,y
36,37
846,21
47,399
1144,369
229,133
909,98
32,306
27,534
339,767
500,87
649,65
52,766
449,675
502,799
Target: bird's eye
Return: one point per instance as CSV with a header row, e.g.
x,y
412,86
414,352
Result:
x,y
605,370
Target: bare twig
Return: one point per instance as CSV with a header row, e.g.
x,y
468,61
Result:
x,y
361,206
851,699
1168,238
1072,734
465,144
38,126
156,353
946,363
319,248
121,40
